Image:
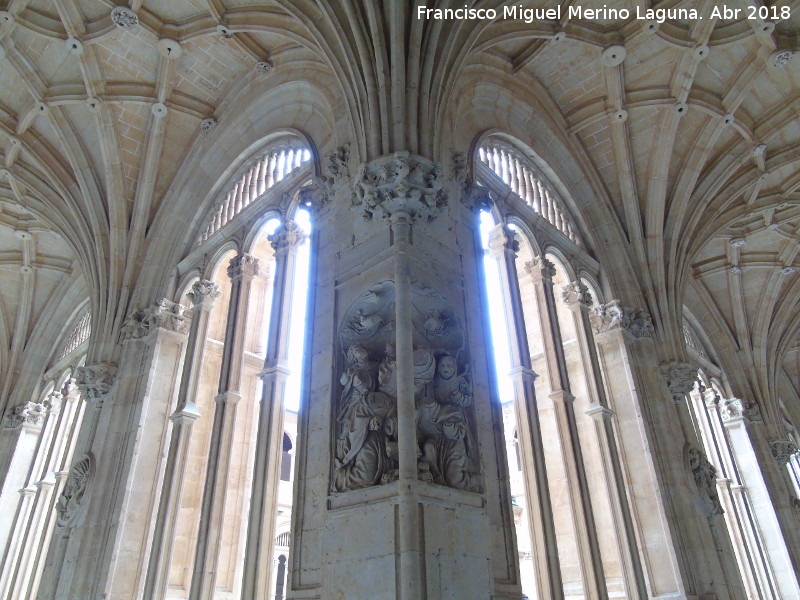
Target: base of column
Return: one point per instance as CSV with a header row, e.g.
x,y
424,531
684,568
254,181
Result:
x,y
361,546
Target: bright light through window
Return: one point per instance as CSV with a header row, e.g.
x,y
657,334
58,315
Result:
x,y
497,315
297,322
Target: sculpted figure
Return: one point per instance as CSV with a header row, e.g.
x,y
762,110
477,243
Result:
x,y
443,429
365,421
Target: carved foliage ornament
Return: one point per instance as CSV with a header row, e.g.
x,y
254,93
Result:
x,y
705,479
503,239
74,490
680,378
95,381
576,292
783,450
288,235
400,183
124,18
164,315
734,408
30,413
612,317
203,290
243,266
365,416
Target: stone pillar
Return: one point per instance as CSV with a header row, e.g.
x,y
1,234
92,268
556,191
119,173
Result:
x,y
684,546
504,248
241,271
266,472
203,295
401,488
576,296
541,272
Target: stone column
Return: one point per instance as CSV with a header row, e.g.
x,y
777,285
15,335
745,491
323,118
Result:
x,y
203,295
576,296
541,272
241,271
401,490
683,544
257,569
504,247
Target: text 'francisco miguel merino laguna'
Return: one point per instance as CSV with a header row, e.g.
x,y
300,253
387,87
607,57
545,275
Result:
x,y
529,15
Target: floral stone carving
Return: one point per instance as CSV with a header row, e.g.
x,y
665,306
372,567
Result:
x,y
95,381
400,183
365,426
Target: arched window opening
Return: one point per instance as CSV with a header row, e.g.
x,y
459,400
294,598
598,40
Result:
x,y
254,178
510,165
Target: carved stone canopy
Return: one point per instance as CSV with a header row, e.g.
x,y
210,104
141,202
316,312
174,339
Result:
x,y
400,183
615,317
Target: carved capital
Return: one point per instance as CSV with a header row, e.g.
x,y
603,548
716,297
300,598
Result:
x,y
705,478
288,235
613,317
400,183
95,381
476,197
243,267
503,239
160,315
575,292
783,450
204,291
30,413
736,408
680,378
541,268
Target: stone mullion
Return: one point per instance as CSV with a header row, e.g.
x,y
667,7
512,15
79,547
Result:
x,y
537,492
241,271
203,295
599,411
541,272
70,420
32,531
260,543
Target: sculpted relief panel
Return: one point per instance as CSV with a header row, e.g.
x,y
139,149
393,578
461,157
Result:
x,y
365,426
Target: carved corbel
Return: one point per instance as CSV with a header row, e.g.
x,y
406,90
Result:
x,y
680,378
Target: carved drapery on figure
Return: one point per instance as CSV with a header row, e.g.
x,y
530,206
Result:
x,y
705,478
365,428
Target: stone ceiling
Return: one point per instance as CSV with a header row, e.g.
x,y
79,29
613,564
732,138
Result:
x,y
692,139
